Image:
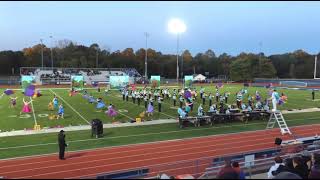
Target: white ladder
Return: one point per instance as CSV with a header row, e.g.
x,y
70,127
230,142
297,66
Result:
x,y
276,116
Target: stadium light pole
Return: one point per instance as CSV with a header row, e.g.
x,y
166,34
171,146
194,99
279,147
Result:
x,y
315,66
51,53
146,57
177,27
41,53
182,52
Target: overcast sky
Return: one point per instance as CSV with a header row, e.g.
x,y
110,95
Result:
x,y
230,27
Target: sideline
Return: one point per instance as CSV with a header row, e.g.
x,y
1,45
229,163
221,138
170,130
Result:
x,y
167,132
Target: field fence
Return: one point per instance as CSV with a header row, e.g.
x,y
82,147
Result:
x,y
289,82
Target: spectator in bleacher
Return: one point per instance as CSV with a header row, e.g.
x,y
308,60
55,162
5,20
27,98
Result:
x,y
315,169
163,176
278,161
288,165
283,168
287,175
300,168
236,167
227,172
306,158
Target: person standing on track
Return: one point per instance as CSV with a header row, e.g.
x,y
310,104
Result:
x,y
62,144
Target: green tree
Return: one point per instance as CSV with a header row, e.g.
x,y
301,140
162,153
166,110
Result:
x,y
246,68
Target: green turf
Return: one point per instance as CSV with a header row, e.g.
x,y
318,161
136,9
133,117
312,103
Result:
x,y
132,135
298,99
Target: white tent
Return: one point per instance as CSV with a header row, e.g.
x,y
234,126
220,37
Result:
x,y
199,77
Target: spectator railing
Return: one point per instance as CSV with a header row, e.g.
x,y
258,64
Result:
x,y
258,166
206,168
195,167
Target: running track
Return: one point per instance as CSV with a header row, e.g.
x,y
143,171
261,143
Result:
x,y
89,163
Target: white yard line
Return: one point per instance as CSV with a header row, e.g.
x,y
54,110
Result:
x,y
34,115
126,115
70,106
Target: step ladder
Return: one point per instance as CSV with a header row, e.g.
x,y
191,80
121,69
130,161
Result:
x,y
276,116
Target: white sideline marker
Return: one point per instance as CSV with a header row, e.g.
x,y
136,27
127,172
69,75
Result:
x,y
70,106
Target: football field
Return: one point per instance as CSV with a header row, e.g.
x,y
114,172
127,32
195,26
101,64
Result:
x,y
78,111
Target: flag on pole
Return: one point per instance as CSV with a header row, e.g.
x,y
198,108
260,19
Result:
x,y
187,94
8,92
220,85
30,90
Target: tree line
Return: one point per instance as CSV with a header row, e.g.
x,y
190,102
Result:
x,y
245,66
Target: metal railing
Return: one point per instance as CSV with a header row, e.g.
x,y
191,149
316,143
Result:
x,y
258,166
206,168
195,167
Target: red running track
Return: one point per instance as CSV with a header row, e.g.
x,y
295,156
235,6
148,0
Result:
x,y
89,163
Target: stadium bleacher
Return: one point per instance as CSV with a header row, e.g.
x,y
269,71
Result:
x,y
63,75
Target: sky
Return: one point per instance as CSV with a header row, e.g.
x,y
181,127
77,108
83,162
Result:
x,y
232,27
